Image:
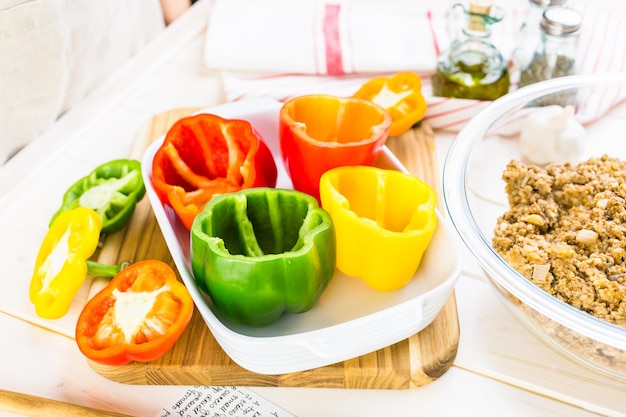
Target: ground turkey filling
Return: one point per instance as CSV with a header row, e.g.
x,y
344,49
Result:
x,y
566,232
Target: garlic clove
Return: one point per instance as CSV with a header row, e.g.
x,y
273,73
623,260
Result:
x,y
552,134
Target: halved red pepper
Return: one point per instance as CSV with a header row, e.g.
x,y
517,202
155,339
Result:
x,y
205,155
138,316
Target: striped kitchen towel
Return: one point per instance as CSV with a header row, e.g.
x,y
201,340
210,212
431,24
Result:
x,y
284,48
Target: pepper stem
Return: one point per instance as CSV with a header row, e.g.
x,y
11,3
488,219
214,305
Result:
x,y
98,269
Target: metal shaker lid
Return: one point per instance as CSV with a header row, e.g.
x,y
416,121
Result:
x,y
549,3
561,21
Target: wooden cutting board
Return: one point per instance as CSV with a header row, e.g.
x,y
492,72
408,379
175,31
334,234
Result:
x,y
197,358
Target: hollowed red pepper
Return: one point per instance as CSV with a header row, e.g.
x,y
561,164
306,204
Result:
x,y
138,316
205,155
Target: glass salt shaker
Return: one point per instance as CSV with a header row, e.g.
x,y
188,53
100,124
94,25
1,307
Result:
x,y
556,54
529,34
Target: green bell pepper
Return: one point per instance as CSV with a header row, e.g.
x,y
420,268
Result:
x,y
112,190
261,252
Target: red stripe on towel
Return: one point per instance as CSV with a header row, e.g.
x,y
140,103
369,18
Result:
x,y
457,106
429,16
334,60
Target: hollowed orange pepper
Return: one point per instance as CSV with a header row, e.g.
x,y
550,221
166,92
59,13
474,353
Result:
x,y
384,221
319,132
401,95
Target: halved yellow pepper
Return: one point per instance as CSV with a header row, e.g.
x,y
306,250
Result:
x,y
401,95
62,262
384,221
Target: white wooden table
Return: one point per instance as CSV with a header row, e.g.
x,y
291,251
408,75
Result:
x,y
500,369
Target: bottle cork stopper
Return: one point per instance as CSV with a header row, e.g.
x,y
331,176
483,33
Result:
x,y
478,7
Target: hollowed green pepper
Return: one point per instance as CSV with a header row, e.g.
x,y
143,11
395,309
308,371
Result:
x,y
112,190
261,252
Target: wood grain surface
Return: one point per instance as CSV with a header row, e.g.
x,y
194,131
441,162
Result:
x,y
22,404
197,358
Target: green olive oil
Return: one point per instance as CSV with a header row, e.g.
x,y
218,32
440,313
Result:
x,y
471,71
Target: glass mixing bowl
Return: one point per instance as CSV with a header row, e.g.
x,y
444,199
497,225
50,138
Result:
x,y
475,196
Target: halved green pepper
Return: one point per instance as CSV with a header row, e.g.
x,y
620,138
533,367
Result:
x,y
261,252
112,190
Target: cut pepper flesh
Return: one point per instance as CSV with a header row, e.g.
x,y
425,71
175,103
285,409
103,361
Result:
x,y
112,190
138,316
61,264
401,95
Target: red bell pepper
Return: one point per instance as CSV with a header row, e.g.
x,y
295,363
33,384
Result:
x,y
205,155
138,316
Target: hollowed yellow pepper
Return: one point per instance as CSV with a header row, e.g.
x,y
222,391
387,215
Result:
x,y
384,221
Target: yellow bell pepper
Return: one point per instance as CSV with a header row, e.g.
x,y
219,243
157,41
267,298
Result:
x,y
384,221
61,264
401,95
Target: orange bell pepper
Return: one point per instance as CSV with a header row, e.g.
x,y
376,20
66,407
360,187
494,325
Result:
x,y
384,221
401,95
319,132
138,316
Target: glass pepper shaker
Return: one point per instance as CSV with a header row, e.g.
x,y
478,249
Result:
x,y
472,67
555,55
529,35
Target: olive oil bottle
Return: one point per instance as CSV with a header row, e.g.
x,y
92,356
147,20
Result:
x,y
473,68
